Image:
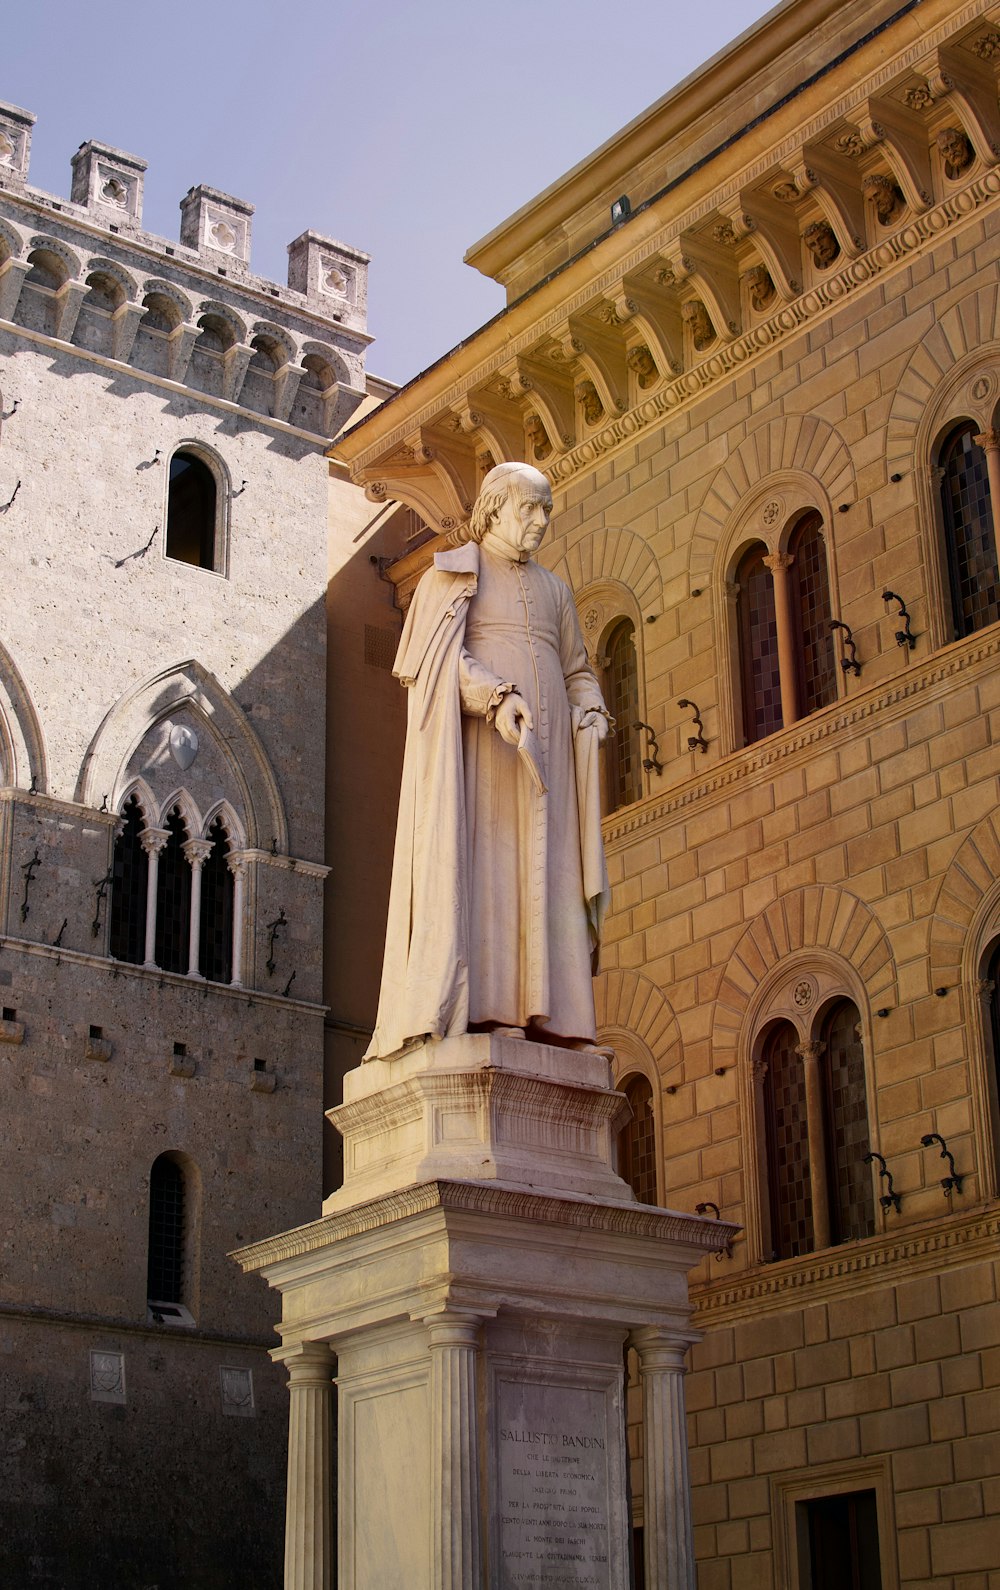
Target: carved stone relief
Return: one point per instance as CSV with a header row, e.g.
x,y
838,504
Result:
x,y
919,97
762,289
593,408
821,241
956,151
699,322
643,366
537,436
886,196
6,150
786,192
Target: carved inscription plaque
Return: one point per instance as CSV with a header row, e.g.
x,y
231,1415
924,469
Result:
x,y
555,1462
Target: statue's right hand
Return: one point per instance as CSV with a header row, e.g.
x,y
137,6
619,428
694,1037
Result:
x,y
512,711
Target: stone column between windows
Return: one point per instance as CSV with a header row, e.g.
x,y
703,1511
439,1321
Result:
x,y
818,1185
309,1497
668,1545
456,1548
152,841
780,564
989,441
238,867
197,852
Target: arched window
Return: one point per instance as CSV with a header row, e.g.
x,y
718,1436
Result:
x,y
787,1144
215,959
173,898
192,512
165,1271
993,1049
622,694
814,1103
637,1141
817,660
851,1198
758,637
970,539
129,877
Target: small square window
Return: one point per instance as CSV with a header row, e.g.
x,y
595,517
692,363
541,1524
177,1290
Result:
x,y
180,1049
9,1013
96,1032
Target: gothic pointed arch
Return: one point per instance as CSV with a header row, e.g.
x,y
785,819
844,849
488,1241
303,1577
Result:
x,y
796,461
821,921
22,745
189,687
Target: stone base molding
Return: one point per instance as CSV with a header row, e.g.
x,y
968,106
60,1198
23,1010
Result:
x,y
479,1332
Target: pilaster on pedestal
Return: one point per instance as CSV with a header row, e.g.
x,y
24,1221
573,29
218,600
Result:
x,y
668,1546
478,1276
453,1341
309,1496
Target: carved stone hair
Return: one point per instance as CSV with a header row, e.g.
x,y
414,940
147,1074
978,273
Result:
x,y
506,480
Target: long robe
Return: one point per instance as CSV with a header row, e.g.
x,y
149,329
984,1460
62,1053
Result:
x,y
497,888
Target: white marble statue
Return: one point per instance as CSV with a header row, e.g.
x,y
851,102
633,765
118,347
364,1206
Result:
x,y
499,883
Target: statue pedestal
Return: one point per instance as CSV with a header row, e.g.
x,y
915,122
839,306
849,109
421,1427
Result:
x,y
478,1278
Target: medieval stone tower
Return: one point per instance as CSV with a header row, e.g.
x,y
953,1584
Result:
x,y
163,548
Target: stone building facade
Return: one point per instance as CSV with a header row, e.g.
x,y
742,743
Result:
x,y
164,505
754,341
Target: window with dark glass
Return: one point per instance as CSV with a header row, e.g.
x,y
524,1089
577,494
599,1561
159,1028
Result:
x,y
192,503
970,538
637,1142
993,1048
173,899
852,1200
165,1273
215,953
815,651
787,1144
624,745
758,634
840,1539
129,874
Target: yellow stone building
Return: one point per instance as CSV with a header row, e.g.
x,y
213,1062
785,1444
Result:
x,y
754,341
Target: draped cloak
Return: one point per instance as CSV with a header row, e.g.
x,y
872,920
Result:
x,y
498,888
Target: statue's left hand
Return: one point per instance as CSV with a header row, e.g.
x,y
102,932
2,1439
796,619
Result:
x,y
596,720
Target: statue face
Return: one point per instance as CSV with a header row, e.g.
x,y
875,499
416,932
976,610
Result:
x,y
520,526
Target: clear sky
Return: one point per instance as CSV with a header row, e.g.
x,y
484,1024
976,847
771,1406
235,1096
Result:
x,y
409,130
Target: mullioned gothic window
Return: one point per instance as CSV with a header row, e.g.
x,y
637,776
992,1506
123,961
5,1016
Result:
x,y
173,898
216,913
969,534
129,884
197,899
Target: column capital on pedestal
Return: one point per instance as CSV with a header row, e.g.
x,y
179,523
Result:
x,y
197,851
153,840
661,1347
307,1362
810,1050
453,1328
989,441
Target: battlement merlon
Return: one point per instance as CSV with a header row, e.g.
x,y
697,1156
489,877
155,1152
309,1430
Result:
x,y
326,278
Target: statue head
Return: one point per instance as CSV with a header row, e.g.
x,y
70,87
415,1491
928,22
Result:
x,y
641,362
821,241
513,507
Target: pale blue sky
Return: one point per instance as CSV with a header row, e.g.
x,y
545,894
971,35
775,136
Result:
x,y
407,130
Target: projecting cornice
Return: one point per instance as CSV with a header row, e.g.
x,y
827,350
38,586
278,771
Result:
x,y
776,232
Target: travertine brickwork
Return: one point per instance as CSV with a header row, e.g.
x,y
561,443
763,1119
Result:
x,y
146,1445
850,859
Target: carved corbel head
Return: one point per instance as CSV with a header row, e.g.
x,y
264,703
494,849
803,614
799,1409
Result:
x,y
886,196
821,241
